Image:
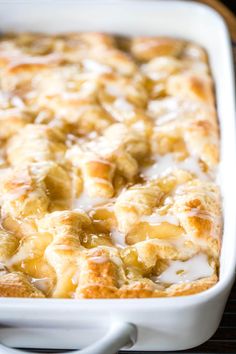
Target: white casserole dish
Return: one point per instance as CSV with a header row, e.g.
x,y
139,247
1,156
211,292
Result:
x,y
162,323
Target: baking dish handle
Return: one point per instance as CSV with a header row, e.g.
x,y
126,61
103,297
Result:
x,y
121,334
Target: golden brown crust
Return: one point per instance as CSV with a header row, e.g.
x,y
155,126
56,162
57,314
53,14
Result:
x,y
108,154
35,143
192,288
8,245
17,285
97,278
134,202
190,86
146,48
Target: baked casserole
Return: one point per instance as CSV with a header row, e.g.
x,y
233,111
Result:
x,y
109,155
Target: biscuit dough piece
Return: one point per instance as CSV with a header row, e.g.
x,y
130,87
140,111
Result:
x,y
146,48
134,202
64,252
35,143
17,285
109,156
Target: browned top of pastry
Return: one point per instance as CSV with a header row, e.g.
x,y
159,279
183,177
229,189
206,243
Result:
x,y
109,149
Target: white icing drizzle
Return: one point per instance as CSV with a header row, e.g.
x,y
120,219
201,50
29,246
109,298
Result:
x,y
164,110
4,171
157,219
194,52
179,272
116,260
99,259
43,284
43,59
139,126
17,102
182,190
165,164
86,202
166,118
75,278
169,109
118,238
115,90
203,214
122,104
86,89
102,145
96,67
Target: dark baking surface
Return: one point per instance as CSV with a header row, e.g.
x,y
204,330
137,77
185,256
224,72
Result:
x,y
231,4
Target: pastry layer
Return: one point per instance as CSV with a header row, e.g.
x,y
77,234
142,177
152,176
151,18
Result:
x,y
109,148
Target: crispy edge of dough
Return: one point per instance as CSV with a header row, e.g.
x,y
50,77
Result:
x,y
17,285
